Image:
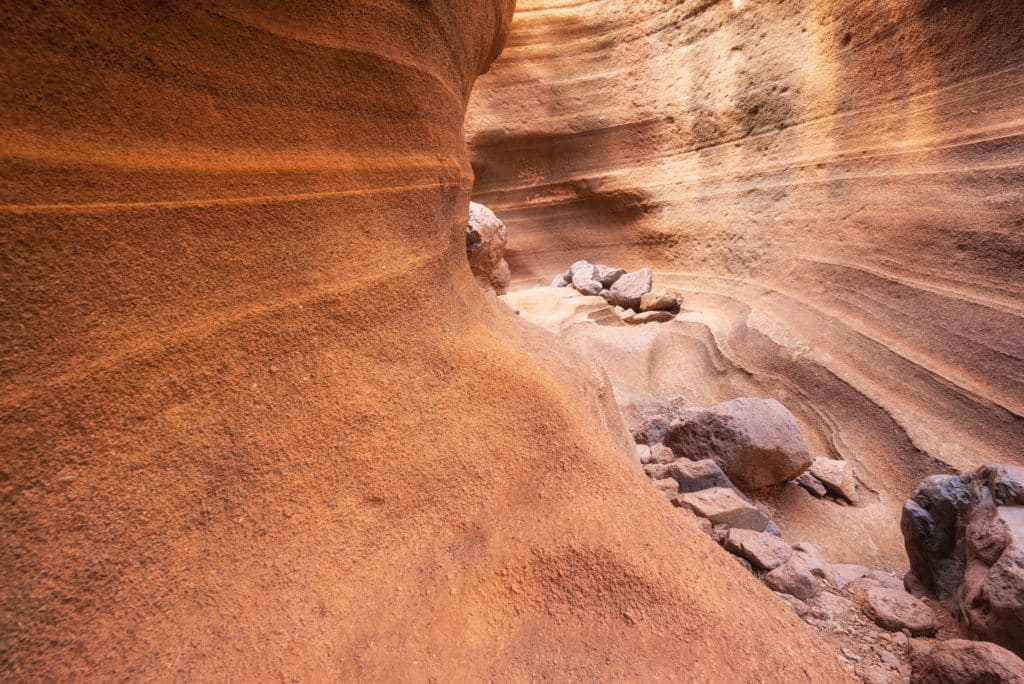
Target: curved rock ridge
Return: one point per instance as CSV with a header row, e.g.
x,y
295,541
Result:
x,y
258,419
833,188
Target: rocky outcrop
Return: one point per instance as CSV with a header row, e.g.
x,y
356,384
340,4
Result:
x,y
486,237
965,539
757,442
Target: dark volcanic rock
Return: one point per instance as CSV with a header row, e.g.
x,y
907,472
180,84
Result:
x,y
964,535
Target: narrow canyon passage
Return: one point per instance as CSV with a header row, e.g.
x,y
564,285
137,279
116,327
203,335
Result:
x,y
835,188
258,421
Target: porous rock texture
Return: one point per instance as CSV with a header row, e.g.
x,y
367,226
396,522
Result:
x,y
964,536
486,237
832,185
259,420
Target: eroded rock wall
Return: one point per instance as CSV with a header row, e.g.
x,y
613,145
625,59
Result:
x,y
836,187
259,421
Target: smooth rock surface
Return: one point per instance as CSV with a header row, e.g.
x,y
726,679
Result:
x,y
895,609
659,301
724,506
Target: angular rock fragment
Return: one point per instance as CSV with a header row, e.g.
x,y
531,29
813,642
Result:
x,y
958,661
606,275
659,301
763,551
628,289
723,506
812,484
485,248
693,476
757,442
837,477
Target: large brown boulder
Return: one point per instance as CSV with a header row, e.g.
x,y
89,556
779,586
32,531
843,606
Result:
x,y
757,442
485,247
964,535
959,661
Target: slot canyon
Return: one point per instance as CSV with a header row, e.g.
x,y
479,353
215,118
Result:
x,y
261,421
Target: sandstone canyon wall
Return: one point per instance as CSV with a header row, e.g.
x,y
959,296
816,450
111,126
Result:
x,y
837,188
258,420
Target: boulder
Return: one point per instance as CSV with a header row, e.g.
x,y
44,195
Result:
x,y
764,551
964,535
659,301
606,275
757,442
693,476
627,290
723,506
794,577
643,452
812,484
559,281
958,661
896,610
583,276
837,477
485,248
651,317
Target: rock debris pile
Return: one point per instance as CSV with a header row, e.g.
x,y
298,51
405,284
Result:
x,y
630,294
710,462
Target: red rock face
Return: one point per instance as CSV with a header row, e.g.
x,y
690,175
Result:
x,y
259,421
835,187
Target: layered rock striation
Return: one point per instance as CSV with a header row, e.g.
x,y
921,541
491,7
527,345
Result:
x,y
833,187
258,419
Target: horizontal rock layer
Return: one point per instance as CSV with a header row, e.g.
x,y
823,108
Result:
x,y
834,187
257,418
